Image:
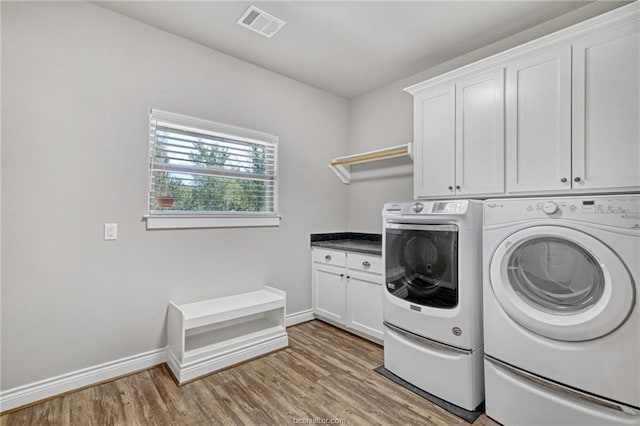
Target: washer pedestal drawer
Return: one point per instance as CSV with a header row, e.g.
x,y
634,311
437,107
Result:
x,y
452,374
516,397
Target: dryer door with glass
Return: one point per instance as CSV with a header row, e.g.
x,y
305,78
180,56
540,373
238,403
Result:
x,y
561,283
422,264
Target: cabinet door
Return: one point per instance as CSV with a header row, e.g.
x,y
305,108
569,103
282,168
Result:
x,y
434,133
329,292
606,112
480,135
538,94
364,296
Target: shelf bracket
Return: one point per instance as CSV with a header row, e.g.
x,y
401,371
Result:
x,y
343,173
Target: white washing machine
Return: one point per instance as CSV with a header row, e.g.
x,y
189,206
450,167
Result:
x,y
561,314
432,306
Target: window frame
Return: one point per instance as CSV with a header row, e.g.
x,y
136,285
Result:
x,y
207,219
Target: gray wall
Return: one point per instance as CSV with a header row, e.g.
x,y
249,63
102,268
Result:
x,y
78,81
384,117
379,119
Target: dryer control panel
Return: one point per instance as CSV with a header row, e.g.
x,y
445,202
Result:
x,y
457,207
448,207
620,211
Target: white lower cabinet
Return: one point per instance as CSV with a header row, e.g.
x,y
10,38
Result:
x,y
364,303
347,291
329,300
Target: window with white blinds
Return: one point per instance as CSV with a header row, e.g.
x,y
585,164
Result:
x,y
200,169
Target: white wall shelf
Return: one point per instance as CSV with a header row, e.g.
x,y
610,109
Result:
x,y
341,166
209,335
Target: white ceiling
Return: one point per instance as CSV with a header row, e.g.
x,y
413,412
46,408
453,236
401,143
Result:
x,y
348,48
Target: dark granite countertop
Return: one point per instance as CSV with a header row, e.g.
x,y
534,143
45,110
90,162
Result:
x,y
349,241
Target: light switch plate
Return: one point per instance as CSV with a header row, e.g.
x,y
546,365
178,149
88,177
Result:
x,y
110,231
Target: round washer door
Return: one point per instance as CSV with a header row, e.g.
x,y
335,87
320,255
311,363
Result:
x,y
561,283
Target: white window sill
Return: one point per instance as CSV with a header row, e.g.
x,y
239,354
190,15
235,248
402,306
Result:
x,y
191,222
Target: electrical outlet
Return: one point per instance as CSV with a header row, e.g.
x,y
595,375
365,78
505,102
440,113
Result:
x,y
110,231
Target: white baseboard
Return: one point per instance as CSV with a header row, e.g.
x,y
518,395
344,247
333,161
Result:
x,y
43,389
298,317
32,392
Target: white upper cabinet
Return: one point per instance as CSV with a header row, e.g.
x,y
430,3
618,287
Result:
x,y
606,112
539,122
480,135
434,142
459,138
557,115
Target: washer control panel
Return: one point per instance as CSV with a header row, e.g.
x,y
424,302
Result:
x,y
608,207
587,206
621,211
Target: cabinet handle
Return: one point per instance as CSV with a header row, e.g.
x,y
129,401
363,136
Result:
x,y
341,275
366,264
458,187
563,180
327,258
348,277
451,188
577,179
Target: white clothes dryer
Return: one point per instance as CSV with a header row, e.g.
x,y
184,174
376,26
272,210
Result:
x,y
432,297
561,315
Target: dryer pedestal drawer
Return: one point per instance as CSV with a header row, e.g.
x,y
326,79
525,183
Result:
x,y
515,397
452,374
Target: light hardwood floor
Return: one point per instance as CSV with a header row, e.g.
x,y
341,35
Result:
x,y
325,373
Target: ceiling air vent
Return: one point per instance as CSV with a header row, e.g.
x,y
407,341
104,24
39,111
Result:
x,y
261,22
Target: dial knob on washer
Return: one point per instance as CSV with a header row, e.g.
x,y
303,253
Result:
x,y
417,207
549,207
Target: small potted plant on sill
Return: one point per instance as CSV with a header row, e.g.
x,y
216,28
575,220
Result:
x,y
165,201
164,192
